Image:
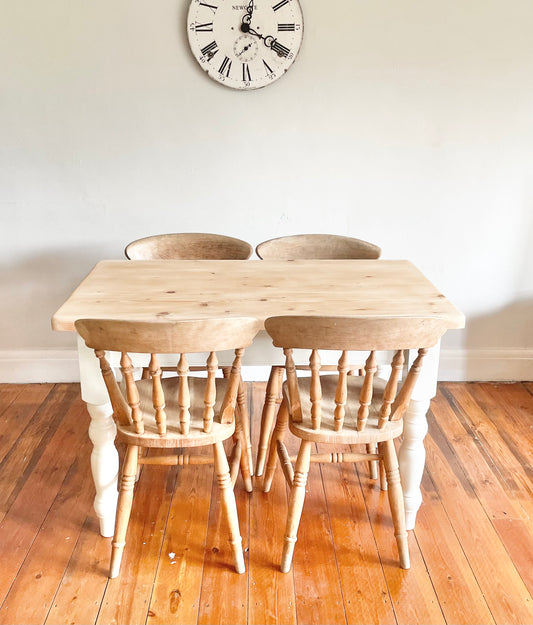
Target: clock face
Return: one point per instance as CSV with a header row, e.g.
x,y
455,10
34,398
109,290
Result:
x,y
245,44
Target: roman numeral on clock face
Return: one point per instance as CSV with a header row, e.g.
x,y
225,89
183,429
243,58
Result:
x,y
204,28
280,4
286,27
209,6
280,49
225,67
210,49
267,67
246,73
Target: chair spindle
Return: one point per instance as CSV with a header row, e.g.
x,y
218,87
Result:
x,y
316,390
210,392
121,410
184,396
158,397
402,400
292,382
342,392
132,394
230,398
365,398
391,389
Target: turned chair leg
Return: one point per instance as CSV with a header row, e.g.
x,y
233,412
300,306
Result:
x,y
296,503
278,435
395,494
229,505
245,420
372,448
382,476
267,417
125,499
240,437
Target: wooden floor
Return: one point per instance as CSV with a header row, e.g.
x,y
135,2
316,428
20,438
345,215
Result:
x,y
471,552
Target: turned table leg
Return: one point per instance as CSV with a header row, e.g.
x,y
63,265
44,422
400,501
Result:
x,y
412,454
102,431
412,458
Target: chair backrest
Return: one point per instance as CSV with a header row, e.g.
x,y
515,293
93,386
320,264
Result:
x,y
168,337
316,246
370,334
188,246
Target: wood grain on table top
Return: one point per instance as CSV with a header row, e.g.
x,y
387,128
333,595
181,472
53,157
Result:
x,y
189,289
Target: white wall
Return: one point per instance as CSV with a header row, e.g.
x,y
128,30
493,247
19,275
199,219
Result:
x,y
407,123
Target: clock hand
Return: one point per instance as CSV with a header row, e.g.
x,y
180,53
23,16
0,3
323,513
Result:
x,y
271,42
247,19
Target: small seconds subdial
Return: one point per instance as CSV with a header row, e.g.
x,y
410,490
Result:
x,y
245,48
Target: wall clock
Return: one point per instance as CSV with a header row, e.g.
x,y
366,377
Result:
x,y
245,44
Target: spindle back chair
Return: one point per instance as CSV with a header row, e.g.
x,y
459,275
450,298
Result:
x,y
301,247
192,246
174,412
338,409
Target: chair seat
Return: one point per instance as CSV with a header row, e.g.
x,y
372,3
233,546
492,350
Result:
x,y
348,435
174,438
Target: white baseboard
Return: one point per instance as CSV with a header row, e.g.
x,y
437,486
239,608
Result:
x,y
26,366
44,365
486,365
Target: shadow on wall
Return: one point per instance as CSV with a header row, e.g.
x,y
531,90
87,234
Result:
x,y
33,289
500,344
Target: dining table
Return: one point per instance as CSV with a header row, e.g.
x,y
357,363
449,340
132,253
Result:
x,y
188,289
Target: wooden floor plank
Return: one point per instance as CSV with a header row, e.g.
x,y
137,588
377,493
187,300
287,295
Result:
x,y
517,536
364,587
459,594
513,474
178,581
477,464
127,597
316,579
60,529
21,524
35,416
271,593
8,393
224,596
512,418
18,404
505,593
314,573
403,586
83,585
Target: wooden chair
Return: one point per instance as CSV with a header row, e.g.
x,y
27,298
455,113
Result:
x,y
342,410
300,247
188,246
175,412
191,246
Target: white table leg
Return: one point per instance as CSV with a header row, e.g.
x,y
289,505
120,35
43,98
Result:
x,y
102,431
412,455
